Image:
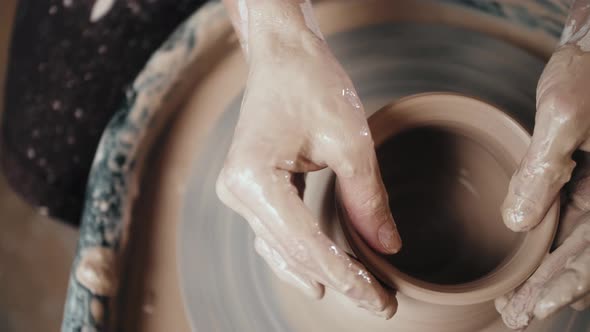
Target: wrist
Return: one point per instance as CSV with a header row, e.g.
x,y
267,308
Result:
x,y
280,25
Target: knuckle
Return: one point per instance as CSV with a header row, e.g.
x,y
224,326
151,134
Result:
x,y
560,105
361,140
374,201
237,177
346,168
362,144
556,172
345,282
356,284
274,258
221,189
352,150
345,137
298,254
375,205
261,247
350,133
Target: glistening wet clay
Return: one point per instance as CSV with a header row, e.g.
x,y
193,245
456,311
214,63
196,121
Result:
x,y
446,161
445,189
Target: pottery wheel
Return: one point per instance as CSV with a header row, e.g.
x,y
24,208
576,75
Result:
x,y
226,286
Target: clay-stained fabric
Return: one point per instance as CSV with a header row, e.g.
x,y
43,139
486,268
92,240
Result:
x,y
69,65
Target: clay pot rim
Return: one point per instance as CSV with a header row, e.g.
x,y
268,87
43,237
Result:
x,y
519,265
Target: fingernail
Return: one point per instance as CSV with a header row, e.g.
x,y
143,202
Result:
x,y
518,214
389,238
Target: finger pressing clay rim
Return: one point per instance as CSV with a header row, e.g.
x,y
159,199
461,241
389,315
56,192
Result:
x,y
367,205
544,170
482,122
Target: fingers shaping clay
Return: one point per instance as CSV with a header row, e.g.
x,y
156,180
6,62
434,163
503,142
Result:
x,y
446,161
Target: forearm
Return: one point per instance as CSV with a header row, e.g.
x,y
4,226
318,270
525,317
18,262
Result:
x,y
577,26
259,21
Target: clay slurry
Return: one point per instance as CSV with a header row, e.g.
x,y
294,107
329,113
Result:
x,y
445,192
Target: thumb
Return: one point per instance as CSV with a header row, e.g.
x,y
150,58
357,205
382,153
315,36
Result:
x,y
365,200
546,167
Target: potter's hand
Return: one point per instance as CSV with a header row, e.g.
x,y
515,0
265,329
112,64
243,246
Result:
x,y
301,113
562,127
562,279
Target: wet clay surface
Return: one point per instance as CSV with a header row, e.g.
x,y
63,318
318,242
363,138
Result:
x,y
445,192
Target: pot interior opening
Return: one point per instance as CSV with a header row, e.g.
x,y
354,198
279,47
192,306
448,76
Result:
x,y
445,192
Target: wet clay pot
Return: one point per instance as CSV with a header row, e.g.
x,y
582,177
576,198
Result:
x,y
446,161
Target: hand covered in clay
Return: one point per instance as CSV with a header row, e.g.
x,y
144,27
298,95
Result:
x,y
301,113
562,279
562,127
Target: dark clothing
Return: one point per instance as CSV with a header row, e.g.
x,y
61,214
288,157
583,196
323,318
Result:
x,y
66,77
